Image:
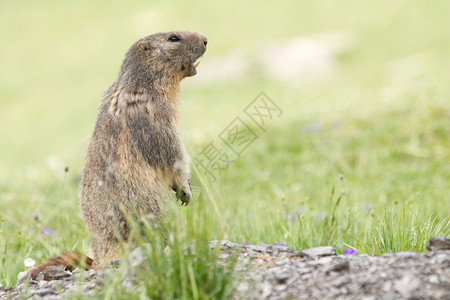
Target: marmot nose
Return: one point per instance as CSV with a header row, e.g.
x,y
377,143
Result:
x,y
203,39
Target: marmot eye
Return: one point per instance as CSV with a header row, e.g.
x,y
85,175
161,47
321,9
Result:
x,y
174,38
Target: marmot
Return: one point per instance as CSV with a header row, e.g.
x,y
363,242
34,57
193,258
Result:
x,y
137,150
136,153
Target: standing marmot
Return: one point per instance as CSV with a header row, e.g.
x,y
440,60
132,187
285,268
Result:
x,y
136,152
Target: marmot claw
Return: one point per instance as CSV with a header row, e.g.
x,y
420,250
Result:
x,y
184,193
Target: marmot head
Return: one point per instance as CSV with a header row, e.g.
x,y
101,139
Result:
x,y
164,56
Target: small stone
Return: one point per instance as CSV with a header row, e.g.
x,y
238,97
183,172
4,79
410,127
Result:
x,y
340,267
324,260
439,243
43,284
55,273
406,254
407,285
441,259
282,262
223,255
92,285
40,292
113,264
243,287
280,288
23,276
266,291
302,271
387,286
281,277
56,284
369,297
8,288
213,244
341,281
319,251
434,279
39,278
306,276
21,287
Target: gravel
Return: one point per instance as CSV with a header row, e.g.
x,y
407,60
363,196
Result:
x,y
278,272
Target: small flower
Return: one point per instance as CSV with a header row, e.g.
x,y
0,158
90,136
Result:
x,y
47,231
350,251
280,244
245,244
29,262
299,210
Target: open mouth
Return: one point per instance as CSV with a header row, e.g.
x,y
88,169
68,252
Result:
x,y
194,66
195,61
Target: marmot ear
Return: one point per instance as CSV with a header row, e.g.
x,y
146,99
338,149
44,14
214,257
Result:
x,y
144,45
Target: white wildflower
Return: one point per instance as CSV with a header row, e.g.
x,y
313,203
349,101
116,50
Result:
x,y
29,262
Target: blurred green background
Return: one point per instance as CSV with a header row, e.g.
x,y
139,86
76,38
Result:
x,y
364,87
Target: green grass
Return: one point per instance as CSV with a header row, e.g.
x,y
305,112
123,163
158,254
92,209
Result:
x,y
358,159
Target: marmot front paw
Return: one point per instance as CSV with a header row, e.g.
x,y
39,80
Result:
x,y
184,193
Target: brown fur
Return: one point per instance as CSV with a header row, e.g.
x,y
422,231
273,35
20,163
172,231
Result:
x,y
136,154
137,151
69,261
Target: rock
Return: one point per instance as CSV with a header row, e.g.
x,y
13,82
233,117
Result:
x,y
439,243
55,273
319,273
266,291
40,292
407,286
22,277
281,277
319,252
340,267
243,287
434,279
136,262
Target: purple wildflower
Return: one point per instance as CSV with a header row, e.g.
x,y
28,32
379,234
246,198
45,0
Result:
x,y
245,244
48,231
350,251
280,244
